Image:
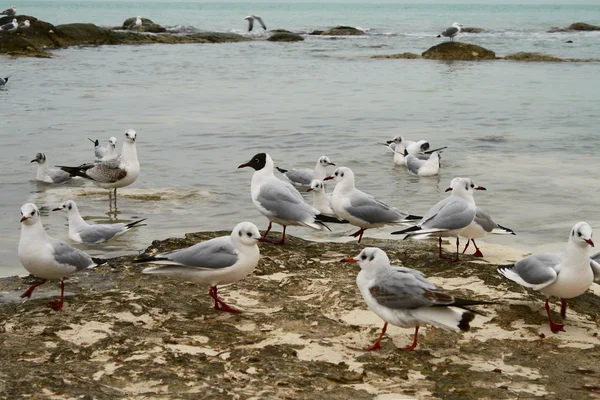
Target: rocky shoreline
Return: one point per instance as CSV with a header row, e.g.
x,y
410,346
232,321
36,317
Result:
x,y
122,334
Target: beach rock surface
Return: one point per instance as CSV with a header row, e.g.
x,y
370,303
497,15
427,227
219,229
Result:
x,y
533,57
147,26
122,334
452,50
582,26
409,56
285,37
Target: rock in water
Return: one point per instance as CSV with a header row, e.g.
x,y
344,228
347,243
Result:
x,y
147,26
582,26
285,37
532,57
342,31
458,51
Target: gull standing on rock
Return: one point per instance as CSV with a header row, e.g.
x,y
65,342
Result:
x,y
11,26
218,261
137,24
279,201
11,12
251,18
305,176
112,174
82,232
48,175
25,24
404,297
46,257
359,208
449,216
564,275
452,31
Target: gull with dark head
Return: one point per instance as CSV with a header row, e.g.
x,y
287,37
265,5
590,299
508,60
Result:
x,y
251,18
304,176
218,261
404,297
564,275
48,175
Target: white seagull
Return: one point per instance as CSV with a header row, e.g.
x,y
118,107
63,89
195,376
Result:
x,y
404,297
11,26
322,200
304,176
46,257
48,175
564,275
420,149
449,216
25,24
429,167
218,261
452,31
11,12
105,153
112,174
135,24
279,201
99,150
3,81
251,18
82,232
359,208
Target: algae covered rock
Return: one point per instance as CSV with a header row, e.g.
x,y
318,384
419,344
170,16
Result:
x,y
280,31
147,26
342,31
31,42
458,51
532,57
220,37
84,34
408,56
285,37
582,26
472,30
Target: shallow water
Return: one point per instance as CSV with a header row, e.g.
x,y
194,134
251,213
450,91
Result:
x,y
528,132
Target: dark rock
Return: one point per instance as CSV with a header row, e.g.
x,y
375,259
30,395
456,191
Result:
x,y
279,31
342,31
532,57
582,26
147,26
569,41
317,32
285,37
472,30
402,55
220,37
458,51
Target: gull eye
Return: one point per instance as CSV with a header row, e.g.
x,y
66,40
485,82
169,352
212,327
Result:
x,y
579,234
70,206
33,213
472,185
248,234
363,257
336,174
240,233
342,175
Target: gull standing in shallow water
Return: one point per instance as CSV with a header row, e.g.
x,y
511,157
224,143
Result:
x,y
564,275
46,257
218,261
251,18
452,31
404,297
112,174
82,232
449,216
279,201
359,208
305,176
48,175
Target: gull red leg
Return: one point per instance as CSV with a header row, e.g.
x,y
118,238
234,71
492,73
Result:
x,y
358,234
211,293
467,246
57,305
29,291
415,341
264,237
478,252
220,304
377,344
457,250
563,308
282,240
555,328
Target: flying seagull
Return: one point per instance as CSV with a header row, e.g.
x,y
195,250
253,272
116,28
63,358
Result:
x,y
251,19
452,31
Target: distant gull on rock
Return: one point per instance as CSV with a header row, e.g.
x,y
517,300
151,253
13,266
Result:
x,y
11,26
25,24
135,24
11,12
251,19
452,31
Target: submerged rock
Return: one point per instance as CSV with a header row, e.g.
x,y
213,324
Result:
x,y
582,26
342,31
401,55
533,57
285,37
458,51
472,30
279,31
147,26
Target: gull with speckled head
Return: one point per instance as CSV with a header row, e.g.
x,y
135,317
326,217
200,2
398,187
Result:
x,y
48,175
304,176
251,18
359,208
219,261
404,297
48,258
564,275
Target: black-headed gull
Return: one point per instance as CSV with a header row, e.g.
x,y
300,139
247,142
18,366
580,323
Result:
x,y
452,31
46,257
564,275
482,225
218,261
48,175
82,232
449,216
279,201
359,208
417,166
251,18
304,176
404,297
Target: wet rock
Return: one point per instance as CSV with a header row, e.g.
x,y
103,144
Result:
x,y
285,37
458,51
219,37
533,57
342,31
582,26
472,30
279,31
147,26
316,32
401,55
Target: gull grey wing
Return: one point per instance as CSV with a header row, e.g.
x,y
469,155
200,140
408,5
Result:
x,y
483,219
107,171
369,209
58,175
65,254
213,254
284,202
538,269
454,214
595,264
259,19
300,176
100,233
452,31
414,164
400,289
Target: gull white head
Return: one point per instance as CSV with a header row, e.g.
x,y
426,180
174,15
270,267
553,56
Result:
x,y
68,206
581,235
14,21
324,161
112,141
130,135
370,258
29,214
40,158
462,186
316,186
342,175
25,24
457,25
246,233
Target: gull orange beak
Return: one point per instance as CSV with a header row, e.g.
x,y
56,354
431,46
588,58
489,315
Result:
x,y
348,259
328,178
23,218
590,242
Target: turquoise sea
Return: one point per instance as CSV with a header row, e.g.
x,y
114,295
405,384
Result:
x,y
526,131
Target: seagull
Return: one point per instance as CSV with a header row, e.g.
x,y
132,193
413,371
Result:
x,y
359,208
112,174
48,175
429,167
105,153
135,24
11,12
251,19
321,199
449,216
452,31
279,201
420,149
219,261
11,26
25,24
595,264
564,275
481,226
404,297
304,177
82,232
3,81
46,257
99,151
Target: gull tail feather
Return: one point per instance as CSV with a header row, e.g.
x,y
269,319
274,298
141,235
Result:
x,y
135,223
327,218
76,171
500,230
283,171
98,261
